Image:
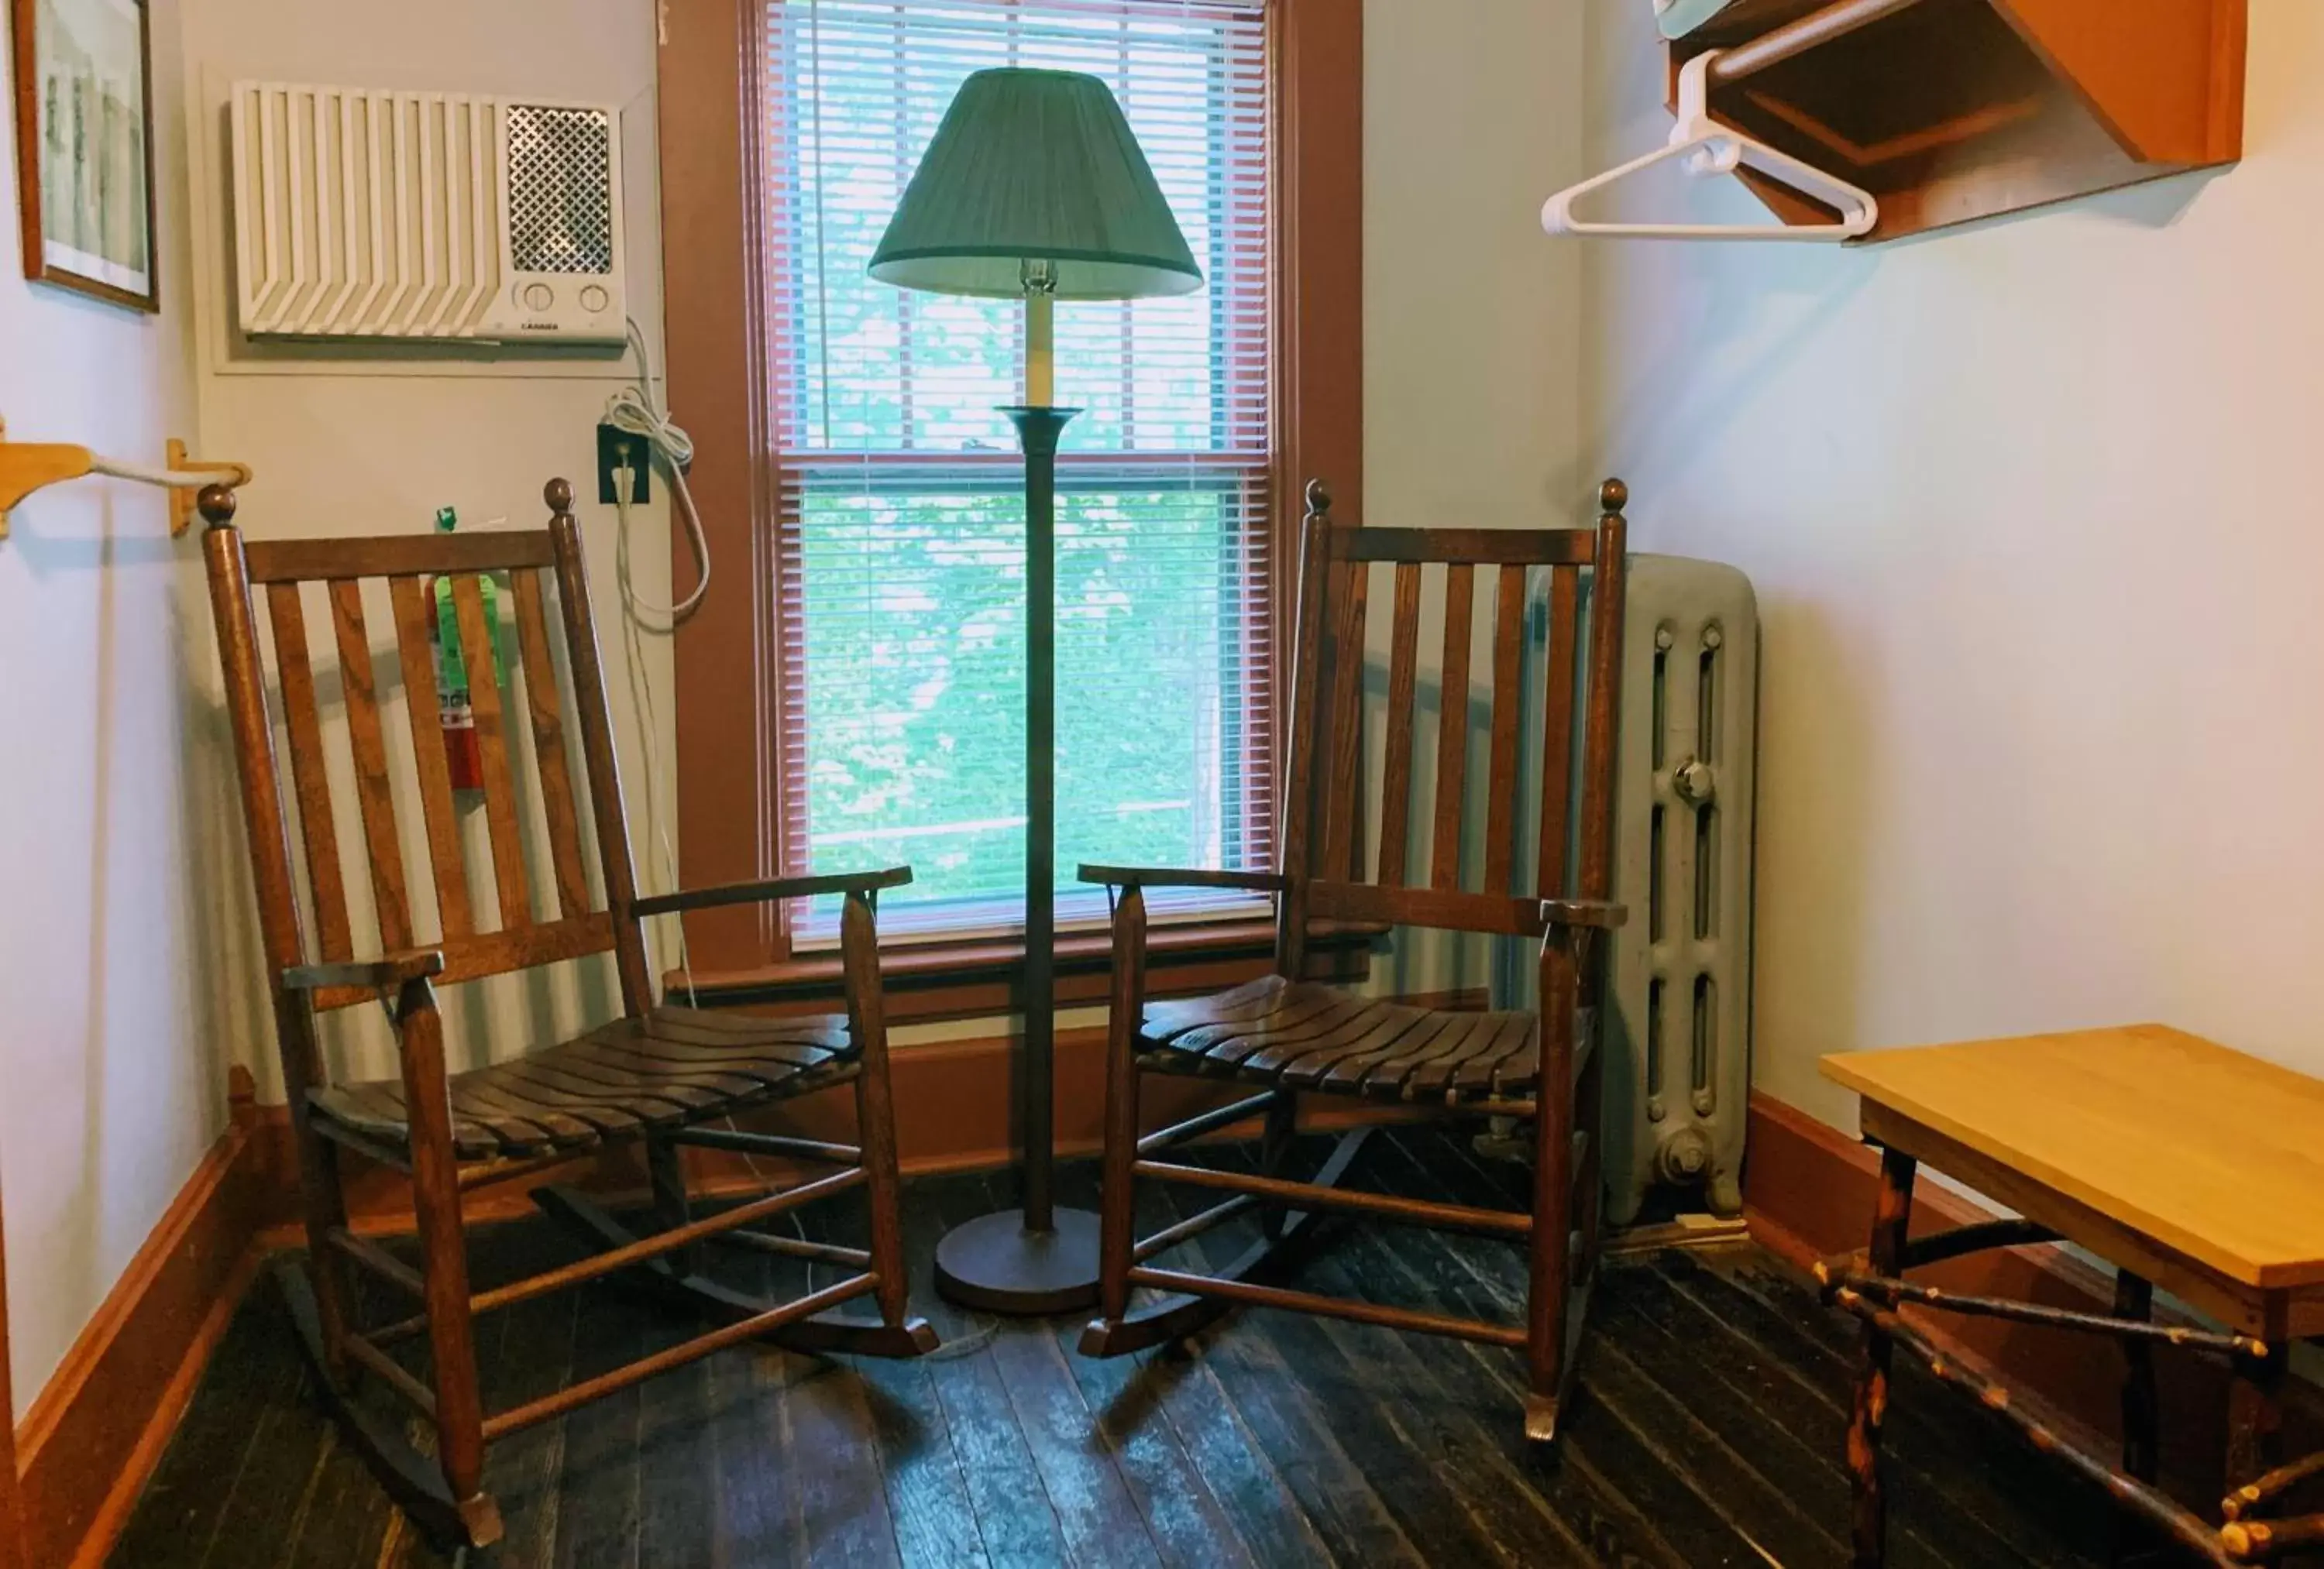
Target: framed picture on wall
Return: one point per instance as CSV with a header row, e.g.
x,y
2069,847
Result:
x,y
84,147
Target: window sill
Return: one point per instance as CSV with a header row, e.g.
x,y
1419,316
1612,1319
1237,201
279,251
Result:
x,y
927,981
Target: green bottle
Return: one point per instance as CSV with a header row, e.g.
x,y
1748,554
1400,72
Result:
x,y
456,713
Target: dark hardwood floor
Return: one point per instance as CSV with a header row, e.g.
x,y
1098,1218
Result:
x,y
1708,1430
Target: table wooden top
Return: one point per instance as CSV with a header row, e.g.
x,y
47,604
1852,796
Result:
x,y
2209,1151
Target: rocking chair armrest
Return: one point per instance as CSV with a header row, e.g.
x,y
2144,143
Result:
x,y
1184,877
391,969
770,890
1603,914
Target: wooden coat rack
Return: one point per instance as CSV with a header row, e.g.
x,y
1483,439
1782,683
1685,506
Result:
x,y
1950,111
29,466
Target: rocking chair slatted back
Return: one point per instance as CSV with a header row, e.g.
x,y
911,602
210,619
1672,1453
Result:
x,y
536,914
1333,872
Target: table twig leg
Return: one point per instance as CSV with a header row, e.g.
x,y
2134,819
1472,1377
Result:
x,y
2134,1298
1891,1213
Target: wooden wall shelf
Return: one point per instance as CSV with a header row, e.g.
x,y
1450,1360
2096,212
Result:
x,y
1950,111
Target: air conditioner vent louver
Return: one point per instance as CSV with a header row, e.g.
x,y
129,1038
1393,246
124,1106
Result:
x,y
439,217
561,201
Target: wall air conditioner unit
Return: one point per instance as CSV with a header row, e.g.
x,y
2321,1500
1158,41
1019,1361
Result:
x,y
425,217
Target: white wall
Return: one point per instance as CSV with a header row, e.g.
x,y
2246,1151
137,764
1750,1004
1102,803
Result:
x,y
2032,518
114,1091
129,960
350,449
1471,326
1472,114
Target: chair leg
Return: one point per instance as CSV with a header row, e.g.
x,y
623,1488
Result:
x,y
666,1172
325,1200
876,1134
1590,1196
898,1334
1118,1201
444,1266
1891,1217
1117,1235
1274,1150
1552,1247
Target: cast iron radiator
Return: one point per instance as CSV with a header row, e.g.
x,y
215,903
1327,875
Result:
x,y
1678,1032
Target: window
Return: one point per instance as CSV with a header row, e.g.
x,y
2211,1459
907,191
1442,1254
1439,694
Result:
x,y
898,519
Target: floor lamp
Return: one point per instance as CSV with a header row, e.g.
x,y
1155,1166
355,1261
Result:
x,y
1035,190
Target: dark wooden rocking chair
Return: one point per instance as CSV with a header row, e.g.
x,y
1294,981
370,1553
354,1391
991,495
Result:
x,y
653,1074
1294,1036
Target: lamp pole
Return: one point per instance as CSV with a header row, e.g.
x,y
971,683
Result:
x,y
1042,1260
1035,188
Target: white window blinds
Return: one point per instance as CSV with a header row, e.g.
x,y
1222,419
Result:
x,y
900,516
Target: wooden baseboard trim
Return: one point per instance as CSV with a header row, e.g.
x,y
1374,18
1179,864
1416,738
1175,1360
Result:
x,y
1808,1193
92,1437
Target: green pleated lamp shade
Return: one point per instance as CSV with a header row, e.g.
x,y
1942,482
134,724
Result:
x,y
1034,166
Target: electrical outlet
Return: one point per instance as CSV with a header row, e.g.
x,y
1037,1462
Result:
x,y
616,449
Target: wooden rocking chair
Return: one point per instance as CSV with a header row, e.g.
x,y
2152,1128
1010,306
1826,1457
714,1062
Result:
x,y
1294,1036
653,1074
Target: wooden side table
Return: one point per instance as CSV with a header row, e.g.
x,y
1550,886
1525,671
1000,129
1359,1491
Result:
x,y
2185,1165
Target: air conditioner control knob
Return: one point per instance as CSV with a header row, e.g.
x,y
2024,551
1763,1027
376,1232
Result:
x,y
539,296
1694,783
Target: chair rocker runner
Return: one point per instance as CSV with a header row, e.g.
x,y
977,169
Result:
x,y
1294,1037
653,1074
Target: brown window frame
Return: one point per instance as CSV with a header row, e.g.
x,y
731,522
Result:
x,y
728,657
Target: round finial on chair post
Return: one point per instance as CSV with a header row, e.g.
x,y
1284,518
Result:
x,y
217,504
559,494
1319,500
1613,496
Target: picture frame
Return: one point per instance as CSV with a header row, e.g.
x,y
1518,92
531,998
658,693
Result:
x,y
84,99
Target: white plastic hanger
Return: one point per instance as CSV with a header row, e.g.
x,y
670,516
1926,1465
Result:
x,y
1710,148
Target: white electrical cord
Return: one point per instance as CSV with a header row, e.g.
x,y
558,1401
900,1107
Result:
x,y
634,410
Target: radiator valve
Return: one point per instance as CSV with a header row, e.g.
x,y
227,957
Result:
x,y
1684,1156
1691,782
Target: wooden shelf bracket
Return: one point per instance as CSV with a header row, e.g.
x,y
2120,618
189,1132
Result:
x,y
1951,111
29,466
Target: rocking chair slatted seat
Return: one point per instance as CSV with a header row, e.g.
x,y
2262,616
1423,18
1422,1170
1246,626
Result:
x,y
653,1074
1296,1037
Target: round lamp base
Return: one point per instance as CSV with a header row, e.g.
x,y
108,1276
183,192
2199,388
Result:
x,y
994,1265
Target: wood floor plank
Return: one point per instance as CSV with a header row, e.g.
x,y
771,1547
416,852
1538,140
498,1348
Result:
x,y
598,1504
1605,1521
676,1465
272,1487
1101,1522
843,1498
753,1511
346,1517
1706,1430
1356,1526
176,1522
1693,1347
927,1492
1400,1384
1747,1406
524,1353
2051,1520
1013,1514
1177,1387
1188,1523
